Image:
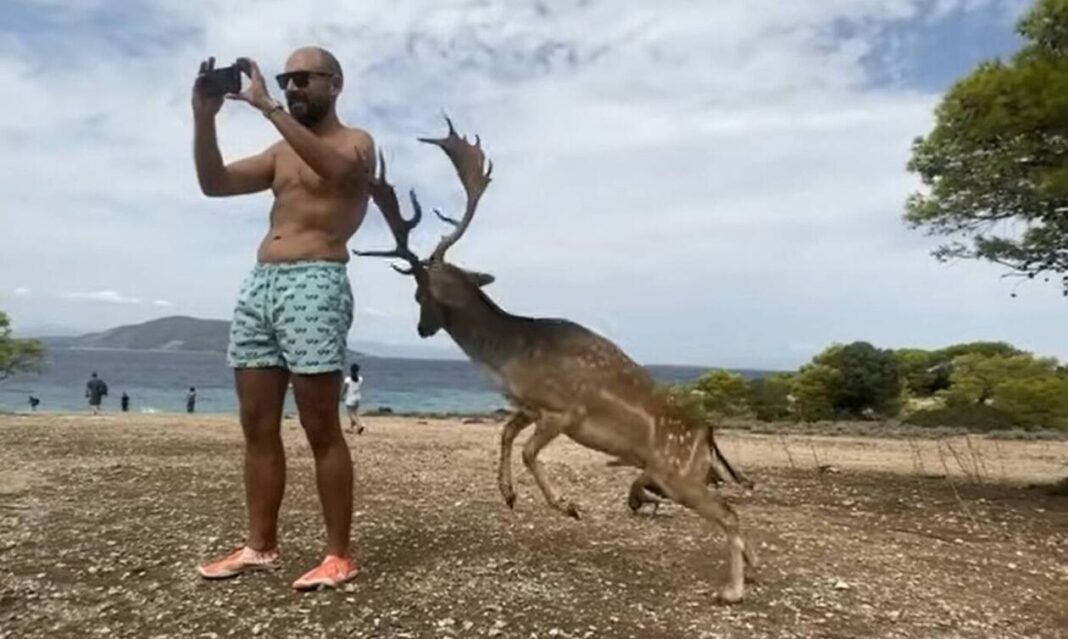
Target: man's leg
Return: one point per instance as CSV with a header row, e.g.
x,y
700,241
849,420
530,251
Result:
x,y
316,397
260,394
313,327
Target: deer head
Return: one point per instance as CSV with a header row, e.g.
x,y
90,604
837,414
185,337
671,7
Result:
x,y
440,286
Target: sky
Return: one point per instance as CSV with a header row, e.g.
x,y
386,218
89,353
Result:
x,y
717,183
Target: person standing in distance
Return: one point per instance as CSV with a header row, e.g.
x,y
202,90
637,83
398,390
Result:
x,y
352,395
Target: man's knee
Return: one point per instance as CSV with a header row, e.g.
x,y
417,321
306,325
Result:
x,y
261,433
321,426
260,423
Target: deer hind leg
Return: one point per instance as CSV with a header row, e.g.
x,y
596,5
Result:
x,y
549,427
644,490
517,423
698,497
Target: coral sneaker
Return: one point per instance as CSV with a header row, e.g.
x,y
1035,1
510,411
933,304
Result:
x,y
333,572
241,560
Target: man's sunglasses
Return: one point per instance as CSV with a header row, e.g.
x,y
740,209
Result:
x,y
300,78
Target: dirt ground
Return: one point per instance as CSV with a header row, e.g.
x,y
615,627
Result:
x,y
102,521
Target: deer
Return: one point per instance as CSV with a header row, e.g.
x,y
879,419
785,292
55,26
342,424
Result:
x,y
559,376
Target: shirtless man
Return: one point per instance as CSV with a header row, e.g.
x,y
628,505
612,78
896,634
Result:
x,y
294,310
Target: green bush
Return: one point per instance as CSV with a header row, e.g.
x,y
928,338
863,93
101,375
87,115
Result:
x,y
976,378
769,397
814,389
724,393
1035,401
870,380
975,417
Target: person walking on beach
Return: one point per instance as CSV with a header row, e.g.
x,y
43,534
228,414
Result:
x,y
294,311
124,402
95,390
34,403
191,400
351,395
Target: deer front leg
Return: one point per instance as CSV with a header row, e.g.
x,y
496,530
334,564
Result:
x,y
517,423
698,497
549,428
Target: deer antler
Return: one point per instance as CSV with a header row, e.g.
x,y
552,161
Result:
x,y
474,171
385,198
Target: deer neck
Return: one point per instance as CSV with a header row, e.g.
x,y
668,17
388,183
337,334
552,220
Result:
x,y
484,332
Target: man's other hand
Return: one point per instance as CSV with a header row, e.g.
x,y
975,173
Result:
x,y
256,94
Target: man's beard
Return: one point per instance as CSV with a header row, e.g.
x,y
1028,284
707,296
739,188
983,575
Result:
x,y
305,111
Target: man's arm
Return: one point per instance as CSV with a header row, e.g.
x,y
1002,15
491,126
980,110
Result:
x,y
349,167
249,175
245,176
339,167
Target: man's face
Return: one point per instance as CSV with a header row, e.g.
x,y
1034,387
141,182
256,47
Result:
x,y
310,103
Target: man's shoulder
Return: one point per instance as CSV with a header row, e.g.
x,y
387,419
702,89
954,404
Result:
x,y
356,135
356,131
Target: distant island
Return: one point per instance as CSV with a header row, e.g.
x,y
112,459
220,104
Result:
x,y
183,333
176,333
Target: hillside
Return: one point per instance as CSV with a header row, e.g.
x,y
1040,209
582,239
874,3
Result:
x,y
175,333
180,333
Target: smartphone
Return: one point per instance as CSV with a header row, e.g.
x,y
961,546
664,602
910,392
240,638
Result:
x,y
223,80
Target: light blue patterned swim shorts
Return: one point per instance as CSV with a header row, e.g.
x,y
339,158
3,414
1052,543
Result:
x,y
293,315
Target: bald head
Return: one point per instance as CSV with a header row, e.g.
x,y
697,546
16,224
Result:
x,y
314,83
314,59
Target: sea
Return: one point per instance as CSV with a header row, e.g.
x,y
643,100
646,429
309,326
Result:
x,y
157,381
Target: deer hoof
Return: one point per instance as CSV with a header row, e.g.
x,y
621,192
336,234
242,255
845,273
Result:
x,y
509,495
731,595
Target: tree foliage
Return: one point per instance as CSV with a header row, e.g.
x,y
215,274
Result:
x,y
17,355
925,373
869,379
769,397
995,166
724,393
814,389
976,379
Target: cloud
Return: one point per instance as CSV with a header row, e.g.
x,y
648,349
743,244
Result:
x,y
705,182
22,291
163,303
375,312
109,297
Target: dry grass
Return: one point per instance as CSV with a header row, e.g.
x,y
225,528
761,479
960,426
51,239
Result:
x,y
102,521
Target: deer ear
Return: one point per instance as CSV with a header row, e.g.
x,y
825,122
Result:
x,y
480,279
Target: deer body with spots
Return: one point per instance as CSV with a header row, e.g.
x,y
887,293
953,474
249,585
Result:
x,y
560,376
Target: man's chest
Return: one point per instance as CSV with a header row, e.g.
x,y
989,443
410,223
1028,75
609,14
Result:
x,y
290,170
